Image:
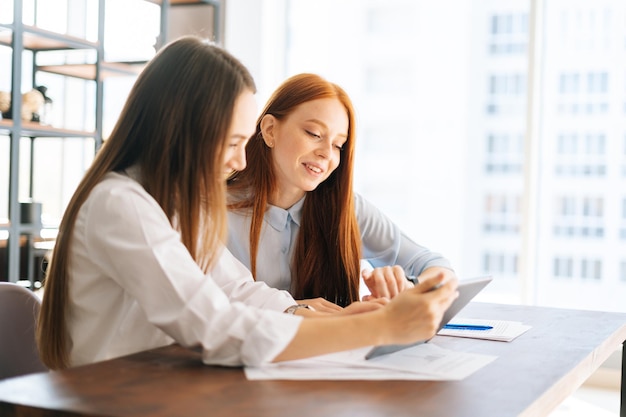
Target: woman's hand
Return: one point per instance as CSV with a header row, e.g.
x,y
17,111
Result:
x,y
321,305
385,282
433,271
324,307
416,313
364,306
389,281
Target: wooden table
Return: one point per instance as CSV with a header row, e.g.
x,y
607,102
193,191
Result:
x,y
531,377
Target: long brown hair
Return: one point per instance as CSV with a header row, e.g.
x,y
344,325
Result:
x,y
327,255
173,127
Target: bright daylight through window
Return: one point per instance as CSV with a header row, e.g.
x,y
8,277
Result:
x,y
528,188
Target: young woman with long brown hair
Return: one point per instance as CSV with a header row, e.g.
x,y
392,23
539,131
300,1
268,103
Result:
x,y
139,261
294,219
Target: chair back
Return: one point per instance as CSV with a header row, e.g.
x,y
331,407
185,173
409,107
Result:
x,y
19,309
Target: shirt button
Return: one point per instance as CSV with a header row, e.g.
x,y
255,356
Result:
x,y
284,250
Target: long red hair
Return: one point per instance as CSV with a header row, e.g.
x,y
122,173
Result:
x,y
327,255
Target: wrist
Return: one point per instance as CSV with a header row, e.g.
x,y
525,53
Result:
x,y
379,326
299,308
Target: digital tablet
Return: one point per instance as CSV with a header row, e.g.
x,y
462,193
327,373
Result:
x,y
468,288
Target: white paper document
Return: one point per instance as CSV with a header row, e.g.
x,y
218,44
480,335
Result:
x,y
422,362
504,331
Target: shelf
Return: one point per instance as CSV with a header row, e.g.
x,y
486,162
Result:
x,y
24,228
27,228
88,71
39,40
39,243
31,129
36,39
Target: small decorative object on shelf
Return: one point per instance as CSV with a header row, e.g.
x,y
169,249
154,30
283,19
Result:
x,y
30,213
33,103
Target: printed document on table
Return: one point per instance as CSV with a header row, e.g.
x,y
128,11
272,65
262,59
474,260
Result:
x,y
425,362
504,331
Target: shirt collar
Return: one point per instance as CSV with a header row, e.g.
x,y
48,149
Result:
x,y
278,217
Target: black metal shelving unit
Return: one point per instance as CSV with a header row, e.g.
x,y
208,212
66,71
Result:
x,y
20,37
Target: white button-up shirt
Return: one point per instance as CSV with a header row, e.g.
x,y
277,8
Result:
x,y
382,242
134,286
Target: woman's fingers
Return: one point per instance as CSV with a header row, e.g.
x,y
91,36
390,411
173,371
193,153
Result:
x,y
386,282
321,305
365,306
417,313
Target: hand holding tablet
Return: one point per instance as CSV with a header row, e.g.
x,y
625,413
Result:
x,y
467,289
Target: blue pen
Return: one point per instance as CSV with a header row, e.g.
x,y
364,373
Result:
x,y
467,327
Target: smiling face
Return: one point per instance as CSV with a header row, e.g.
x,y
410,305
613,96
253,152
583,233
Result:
x,y
306,147
241,128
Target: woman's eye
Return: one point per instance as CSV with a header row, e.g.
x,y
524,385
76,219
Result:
x,y
315,135
339,147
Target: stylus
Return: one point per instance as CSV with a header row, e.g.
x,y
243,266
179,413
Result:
x,y
435,287
467,327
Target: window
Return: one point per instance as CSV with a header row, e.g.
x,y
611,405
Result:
x,y
591,269
502,214
563,267
506,94
504,153
582,218
448,92
500,264
580,155
508,34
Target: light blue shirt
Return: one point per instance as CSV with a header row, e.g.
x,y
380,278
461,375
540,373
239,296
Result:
x,y
382,242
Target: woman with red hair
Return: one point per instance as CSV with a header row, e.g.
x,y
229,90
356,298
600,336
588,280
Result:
x,y
294,219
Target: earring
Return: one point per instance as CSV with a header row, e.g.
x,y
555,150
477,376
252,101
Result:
x,y
268,144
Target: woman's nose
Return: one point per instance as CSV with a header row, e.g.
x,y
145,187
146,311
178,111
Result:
x,y
325,149
238,162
